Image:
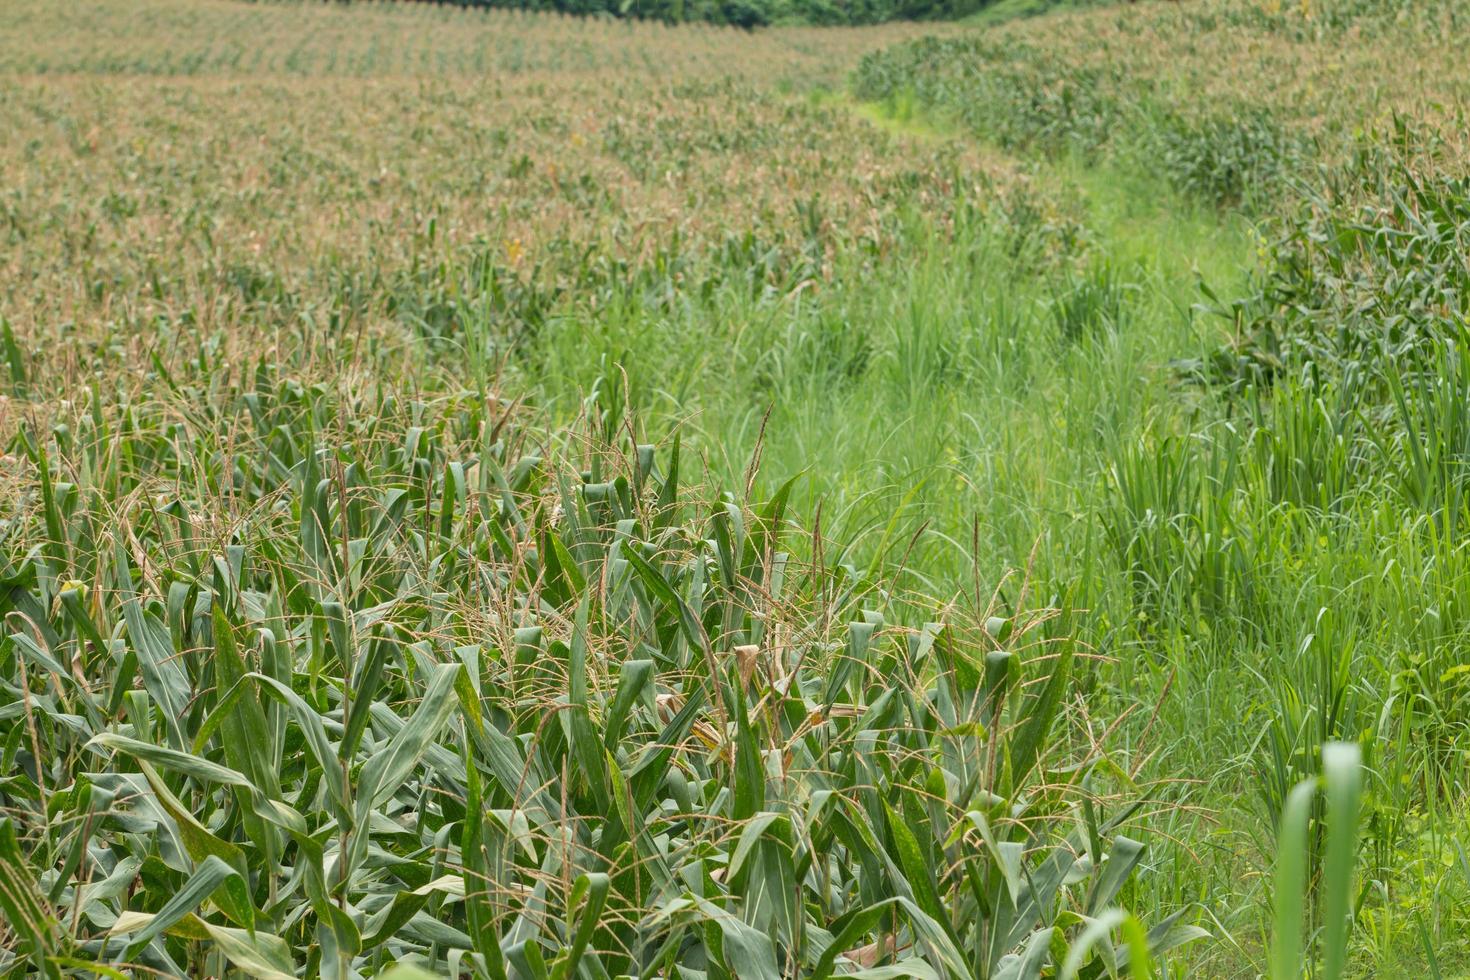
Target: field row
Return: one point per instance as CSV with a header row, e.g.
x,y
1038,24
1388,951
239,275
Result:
x,y
366,39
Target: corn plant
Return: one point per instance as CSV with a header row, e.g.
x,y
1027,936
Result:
x,y
371,683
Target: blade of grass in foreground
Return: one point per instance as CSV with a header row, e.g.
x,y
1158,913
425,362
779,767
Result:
x,y
1291,882
1342,776
1342,769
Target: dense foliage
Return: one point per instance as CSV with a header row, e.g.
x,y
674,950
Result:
x,y
1031,98
377,680
512,495
1324,457
324,657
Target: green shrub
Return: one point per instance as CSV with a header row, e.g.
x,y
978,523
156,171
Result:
x,y
1013,95
1231,157
1366,271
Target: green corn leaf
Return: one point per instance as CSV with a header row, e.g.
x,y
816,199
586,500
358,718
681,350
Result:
x,y
1040,715
20,900
207,879
1123,857
234,895
162,675
584,907
317,744
586,747
1031,961
635,677
916,873
182,763
749,771
260,955
384,773
364,691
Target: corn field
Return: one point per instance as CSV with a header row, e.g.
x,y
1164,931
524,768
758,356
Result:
x,y
494,494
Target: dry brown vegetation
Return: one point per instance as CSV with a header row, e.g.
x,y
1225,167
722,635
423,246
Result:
x,y
242,39
150,176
